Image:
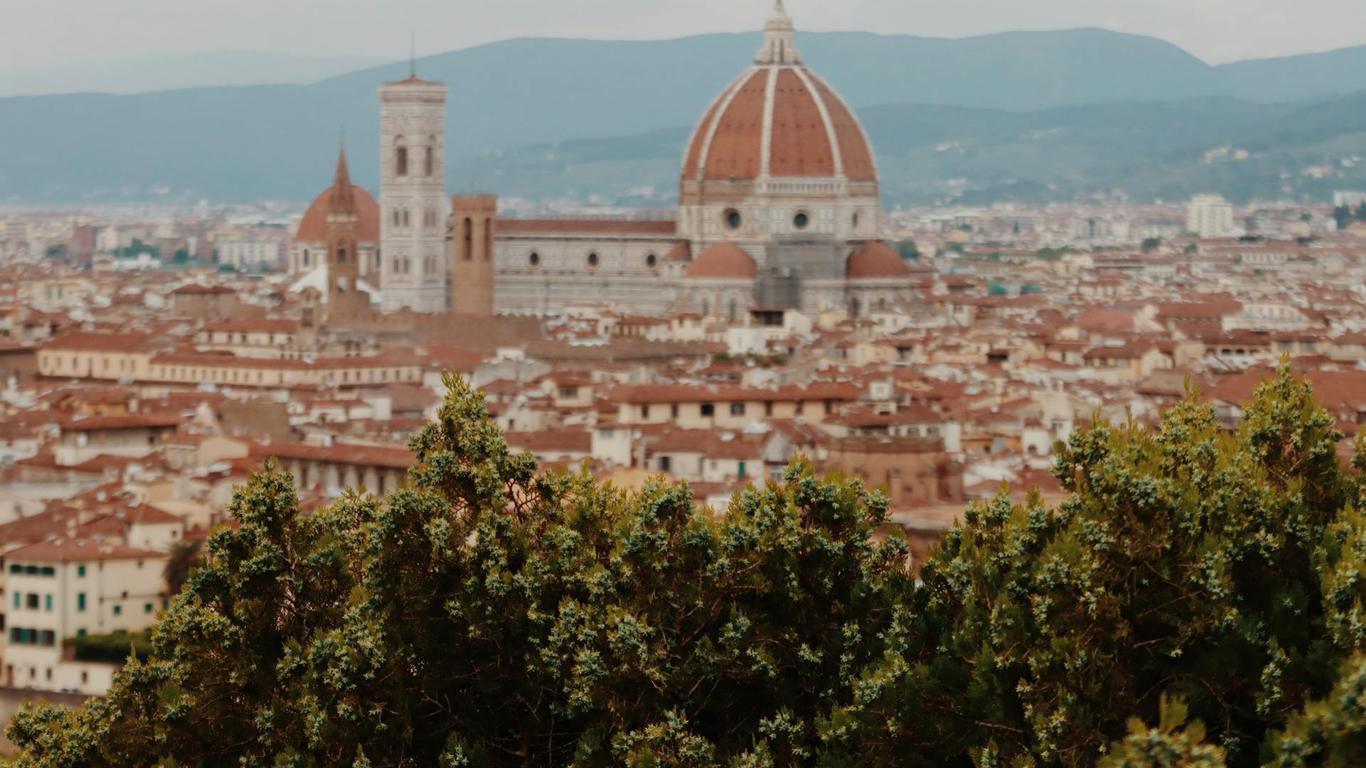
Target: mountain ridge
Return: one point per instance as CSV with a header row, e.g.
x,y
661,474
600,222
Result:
x,y
231,143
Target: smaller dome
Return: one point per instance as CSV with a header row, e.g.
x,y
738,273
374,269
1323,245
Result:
x,y
681,251
875,260
313,226
723,261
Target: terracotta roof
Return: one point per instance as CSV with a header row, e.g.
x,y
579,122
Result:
x,y
875,260
681,251
723,261
706,442
552,441
1337,391
355,455
197,289
313,226
131,421
729,142
210,360
99,342
259,325
413,79
688,393
80,550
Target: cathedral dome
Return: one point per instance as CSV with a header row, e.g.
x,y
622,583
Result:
x,y
875,260
723,261
313,226
779,120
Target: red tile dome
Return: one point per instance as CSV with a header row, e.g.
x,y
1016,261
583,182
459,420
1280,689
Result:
x,y
723,261
313,226
875,260
779,119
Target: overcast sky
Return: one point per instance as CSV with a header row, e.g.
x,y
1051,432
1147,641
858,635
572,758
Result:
x,y
45,33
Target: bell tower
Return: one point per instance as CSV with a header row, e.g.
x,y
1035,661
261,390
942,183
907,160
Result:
x,y
344,296
472,232
413,195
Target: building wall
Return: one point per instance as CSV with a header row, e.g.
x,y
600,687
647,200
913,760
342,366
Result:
x,y
77,447
118,595
769,210
541,274
246,253
907,469
413,205
722,415
304,257
471,252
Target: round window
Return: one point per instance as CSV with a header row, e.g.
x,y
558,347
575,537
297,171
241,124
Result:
x,y
733,219
651,261
801,220
593,260
534,259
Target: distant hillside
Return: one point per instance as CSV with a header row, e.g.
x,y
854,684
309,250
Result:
x,y
1297,78
277,141
940,154
164,72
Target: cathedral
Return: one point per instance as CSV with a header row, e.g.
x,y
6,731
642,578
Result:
x,y
779,208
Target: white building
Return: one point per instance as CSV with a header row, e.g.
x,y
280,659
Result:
x,y
1210,216
240,254
1349,198
413,204
67,589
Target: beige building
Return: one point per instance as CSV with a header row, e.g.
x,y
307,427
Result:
x,y
66,589
689,407
1209,216
134,359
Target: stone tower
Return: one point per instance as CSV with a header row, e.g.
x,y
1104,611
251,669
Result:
x,y
472,234
413,195
344,297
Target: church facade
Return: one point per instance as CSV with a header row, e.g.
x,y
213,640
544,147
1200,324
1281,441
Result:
x,y
779,207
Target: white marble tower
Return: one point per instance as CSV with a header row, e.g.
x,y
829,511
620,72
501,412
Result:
x,y
413,206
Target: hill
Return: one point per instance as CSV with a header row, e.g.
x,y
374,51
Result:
x,y
162,72
276,141
944,154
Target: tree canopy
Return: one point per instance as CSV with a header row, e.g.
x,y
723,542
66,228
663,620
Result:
x,y
1196,601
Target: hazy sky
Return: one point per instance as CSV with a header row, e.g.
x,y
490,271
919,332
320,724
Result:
x,y
44,33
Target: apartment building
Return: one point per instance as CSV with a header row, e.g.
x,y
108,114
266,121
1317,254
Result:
x,y
67,589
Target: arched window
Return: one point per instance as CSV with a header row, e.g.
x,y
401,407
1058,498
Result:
x,y
305,259
430,164
467,241
706,307
593,260
734,312
341,254
401,161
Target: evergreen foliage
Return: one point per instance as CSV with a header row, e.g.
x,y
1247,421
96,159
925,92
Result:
x,y
1205,580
